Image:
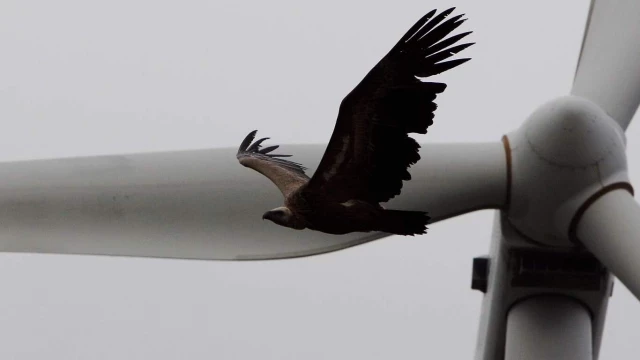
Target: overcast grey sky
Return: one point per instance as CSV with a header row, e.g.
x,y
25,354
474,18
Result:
x,y
86,77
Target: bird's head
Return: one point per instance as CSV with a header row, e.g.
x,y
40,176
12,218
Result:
x,y
283,216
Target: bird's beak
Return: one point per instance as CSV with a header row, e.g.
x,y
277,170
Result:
x,y
265,215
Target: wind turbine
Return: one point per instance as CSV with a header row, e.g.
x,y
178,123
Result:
x,y
559,185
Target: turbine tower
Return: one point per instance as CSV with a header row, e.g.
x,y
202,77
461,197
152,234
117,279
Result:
x,y
565,222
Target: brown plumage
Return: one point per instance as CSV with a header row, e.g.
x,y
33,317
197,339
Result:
x,y
370,151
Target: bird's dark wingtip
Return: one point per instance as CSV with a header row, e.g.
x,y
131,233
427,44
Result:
x,y
250,146
255,147
430,29
247,141
249,149
448,12
251,134
268,149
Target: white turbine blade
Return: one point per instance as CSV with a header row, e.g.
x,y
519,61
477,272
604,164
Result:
x,y
204,205
453,179
610,229
608,70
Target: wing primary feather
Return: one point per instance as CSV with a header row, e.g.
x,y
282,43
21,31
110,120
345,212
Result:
x,y
279,155
268,149
256,145
414,29
442,30
445,54
431,24
447,42
435,69
247,141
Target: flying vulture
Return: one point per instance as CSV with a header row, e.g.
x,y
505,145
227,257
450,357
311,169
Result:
x,y
370,151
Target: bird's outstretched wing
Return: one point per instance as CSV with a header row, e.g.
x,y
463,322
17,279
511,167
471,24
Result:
x,y
287,175
370,150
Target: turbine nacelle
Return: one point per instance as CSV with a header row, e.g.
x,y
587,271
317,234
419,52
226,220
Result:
x,y
567,152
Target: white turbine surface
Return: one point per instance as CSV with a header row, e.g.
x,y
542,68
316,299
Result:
x,y
610,228
567,150
609,66
205,205
569,186
548,327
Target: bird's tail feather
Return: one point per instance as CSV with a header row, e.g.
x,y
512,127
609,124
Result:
x,y
402,222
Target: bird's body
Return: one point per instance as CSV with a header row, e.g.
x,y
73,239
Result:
x,y
370,151
331,216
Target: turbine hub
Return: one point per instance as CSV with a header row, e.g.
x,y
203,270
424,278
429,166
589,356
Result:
x,y
572,132
568,150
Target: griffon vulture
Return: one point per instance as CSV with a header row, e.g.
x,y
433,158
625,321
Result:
x,y
370,151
